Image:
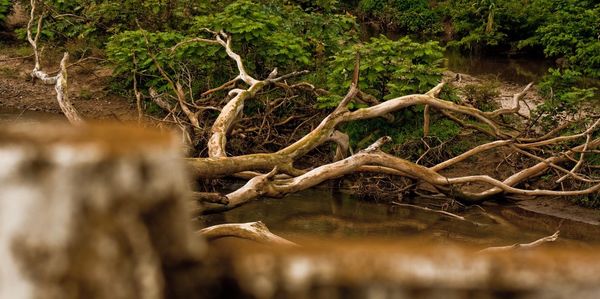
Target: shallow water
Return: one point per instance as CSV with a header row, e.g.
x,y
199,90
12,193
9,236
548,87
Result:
x,y
8,115
324,213
512,70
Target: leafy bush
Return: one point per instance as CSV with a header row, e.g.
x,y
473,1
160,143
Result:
x,y
562,98
570,30
5,7
482,96
95,21
266,34
488,24
406,16
272,35
388,68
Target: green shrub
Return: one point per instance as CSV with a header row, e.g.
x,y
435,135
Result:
x,y
272,35
266,34
406,16
5,8
570,31
388,69
561,96
487,24
483,96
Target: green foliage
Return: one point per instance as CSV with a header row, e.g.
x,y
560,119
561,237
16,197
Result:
x,y
407,16
318,5
562,97
272,34
570,30
487,24
266,34
95,21
5,8
589,201
388,68
140,51
483,96
129,51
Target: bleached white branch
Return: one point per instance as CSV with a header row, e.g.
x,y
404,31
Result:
x,y
60,81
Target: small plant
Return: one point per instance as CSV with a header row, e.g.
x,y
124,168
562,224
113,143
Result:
x,y
482,96
590,201
562,99
86,94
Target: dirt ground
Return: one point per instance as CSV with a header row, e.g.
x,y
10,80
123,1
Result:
x,y
88,89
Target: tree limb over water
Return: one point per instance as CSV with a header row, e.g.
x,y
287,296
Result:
x,y
275,174
372,158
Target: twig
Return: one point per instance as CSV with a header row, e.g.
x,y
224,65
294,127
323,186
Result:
x,y
533,244
431,210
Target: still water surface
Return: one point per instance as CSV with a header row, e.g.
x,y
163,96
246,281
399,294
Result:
x,y
329,214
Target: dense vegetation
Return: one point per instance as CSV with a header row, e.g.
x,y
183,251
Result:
x,y
323,37
400,53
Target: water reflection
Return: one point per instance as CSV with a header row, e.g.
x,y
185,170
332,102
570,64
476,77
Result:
x,y
512,70
329,214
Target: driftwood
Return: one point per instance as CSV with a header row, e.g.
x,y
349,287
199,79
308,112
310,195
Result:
x,y
275,173
281,177
346,269
255,231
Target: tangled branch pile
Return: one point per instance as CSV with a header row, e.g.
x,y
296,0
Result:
x,y
278,172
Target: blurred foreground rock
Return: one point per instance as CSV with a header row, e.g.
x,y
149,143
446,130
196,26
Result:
x,y
92,212
100,212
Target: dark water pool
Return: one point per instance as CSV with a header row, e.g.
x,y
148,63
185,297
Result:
x,y
512,70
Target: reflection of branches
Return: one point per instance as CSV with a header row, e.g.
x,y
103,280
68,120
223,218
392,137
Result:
x,y
533,244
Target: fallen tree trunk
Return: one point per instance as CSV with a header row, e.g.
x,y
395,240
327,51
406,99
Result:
x,y
282,176
282,161
267,185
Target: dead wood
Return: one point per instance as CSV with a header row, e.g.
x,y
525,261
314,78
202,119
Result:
x,y
276,173
255,231
372,159
59,81
533,244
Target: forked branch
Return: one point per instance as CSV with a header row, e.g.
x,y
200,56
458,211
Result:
x,y
60,81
